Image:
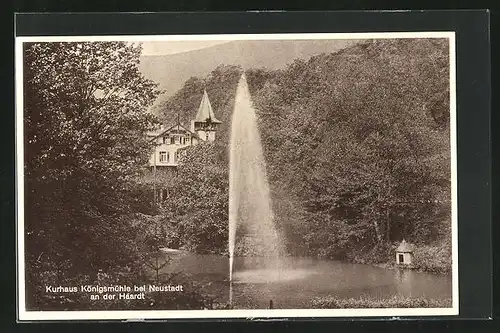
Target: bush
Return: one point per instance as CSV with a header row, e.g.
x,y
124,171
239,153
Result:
x,y
365,302
434,258
381,253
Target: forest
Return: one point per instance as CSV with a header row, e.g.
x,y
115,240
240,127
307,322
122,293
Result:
x,y
356,144
357,150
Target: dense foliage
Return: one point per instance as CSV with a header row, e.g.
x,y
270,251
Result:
x,y
359,140
356,145
85,116
197,206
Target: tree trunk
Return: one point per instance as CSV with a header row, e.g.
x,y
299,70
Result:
x,y
157,268
388,231
377,231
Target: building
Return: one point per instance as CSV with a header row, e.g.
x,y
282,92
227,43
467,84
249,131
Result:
x,y
170,141
404,254
205,124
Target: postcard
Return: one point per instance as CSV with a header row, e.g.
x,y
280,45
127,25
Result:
x,y
236,176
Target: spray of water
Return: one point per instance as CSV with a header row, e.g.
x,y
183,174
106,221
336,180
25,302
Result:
x,y
249,198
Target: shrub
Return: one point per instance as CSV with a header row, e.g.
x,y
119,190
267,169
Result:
x,y
366,302
435,258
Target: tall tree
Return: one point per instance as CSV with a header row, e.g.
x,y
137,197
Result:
x,y
198,204
85,116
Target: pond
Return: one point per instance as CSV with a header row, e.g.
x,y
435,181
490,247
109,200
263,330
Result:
x,y
294,282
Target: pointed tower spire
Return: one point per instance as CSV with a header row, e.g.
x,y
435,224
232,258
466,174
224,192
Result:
x,y
205,112
205,124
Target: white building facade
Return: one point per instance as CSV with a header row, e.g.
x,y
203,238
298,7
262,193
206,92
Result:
x,y
170,141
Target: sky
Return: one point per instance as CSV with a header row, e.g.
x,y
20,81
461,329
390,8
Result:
x,y
172,47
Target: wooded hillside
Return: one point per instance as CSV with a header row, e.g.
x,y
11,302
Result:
x,y
356,145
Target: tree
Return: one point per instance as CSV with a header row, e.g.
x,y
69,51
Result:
x,y
198,204
85,108
85,116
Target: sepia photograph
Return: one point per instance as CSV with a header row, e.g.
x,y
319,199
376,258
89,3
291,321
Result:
x,y
236,176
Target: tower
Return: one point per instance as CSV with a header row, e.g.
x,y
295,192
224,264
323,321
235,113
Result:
x,y
205,124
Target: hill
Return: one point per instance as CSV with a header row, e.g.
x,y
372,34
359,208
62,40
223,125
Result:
x,y
171,71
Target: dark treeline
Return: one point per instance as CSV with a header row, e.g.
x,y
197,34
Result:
x,y
357,150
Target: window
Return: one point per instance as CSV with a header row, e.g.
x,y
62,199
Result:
x,y
165,139
163,156
401,259
172,140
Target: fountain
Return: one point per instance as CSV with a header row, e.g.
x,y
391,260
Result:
x,y
249,199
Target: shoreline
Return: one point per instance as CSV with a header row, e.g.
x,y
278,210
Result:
x,y
386,265
392,266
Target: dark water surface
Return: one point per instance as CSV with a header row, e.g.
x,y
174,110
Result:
x,y
297,281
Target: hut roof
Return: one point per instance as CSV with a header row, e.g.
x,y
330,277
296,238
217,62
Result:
x,y
404,247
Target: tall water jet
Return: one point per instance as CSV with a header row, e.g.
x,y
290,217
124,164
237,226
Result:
x,y
249,199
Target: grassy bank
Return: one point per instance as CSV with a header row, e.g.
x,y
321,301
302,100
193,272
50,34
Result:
x,y
393,302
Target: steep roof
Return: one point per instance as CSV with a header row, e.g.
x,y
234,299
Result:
x,y
404,247
205,111
177,126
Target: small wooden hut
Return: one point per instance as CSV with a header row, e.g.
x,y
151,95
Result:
x,y
404,253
